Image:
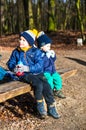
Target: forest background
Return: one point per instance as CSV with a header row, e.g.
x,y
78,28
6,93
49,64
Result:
x,y
47,15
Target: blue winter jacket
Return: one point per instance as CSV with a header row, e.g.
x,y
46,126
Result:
x,y
49,63
31,58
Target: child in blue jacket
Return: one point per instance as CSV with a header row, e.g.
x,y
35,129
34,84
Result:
x,y
49,57
26,62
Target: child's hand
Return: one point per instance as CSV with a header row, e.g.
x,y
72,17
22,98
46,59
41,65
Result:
x,y
52,53
25,68
48,54
20,69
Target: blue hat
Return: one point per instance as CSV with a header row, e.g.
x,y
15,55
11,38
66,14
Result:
x,y
30,36
43,39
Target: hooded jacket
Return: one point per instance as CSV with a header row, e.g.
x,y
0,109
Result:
x,y
49,63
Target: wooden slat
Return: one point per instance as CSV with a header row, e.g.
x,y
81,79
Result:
x,y
68,73
15,88
9,86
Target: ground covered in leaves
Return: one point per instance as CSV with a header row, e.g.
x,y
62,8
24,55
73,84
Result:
x,y
20,112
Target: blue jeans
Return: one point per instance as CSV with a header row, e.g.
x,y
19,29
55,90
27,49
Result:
x,y
41,87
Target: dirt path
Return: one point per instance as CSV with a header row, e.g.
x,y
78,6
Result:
x,y
72,109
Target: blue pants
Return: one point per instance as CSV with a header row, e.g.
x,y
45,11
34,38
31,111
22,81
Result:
x,y
54,80
41,87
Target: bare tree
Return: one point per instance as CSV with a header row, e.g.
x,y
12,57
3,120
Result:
x,y
79,17
25,3
51,14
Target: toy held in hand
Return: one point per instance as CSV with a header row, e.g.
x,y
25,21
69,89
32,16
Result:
x,y
20,69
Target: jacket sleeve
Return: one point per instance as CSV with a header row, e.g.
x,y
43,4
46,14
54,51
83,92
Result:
x,y
12,61
37,67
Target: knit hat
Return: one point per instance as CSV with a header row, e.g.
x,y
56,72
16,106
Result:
x,y
30,36
43,39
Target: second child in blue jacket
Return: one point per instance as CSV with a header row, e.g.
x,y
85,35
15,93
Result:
x,y
49,57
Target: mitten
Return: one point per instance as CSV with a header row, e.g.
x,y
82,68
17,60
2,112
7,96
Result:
x,y
48,54
25,68
52,53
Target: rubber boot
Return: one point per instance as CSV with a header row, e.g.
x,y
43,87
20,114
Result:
x,y
41,109
53,112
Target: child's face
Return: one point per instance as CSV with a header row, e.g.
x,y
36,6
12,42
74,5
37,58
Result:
x,y
46,47
23,42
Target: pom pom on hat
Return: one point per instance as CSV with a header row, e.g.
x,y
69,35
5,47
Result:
x,y
43,39
30,36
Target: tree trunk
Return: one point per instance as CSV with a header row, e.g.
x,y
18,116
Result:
x,y
51,13
31,21
79,17
25,3
1,16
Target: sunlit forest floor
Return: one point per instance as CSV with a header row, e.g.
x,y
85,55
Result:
x,y
19,113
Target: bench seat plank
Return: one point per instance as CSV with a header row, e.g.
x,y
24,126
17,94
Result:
x,y
67,73
15,88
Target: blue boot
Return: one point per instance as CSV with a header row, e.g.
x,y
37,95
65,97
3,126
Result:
x,y
41,110
52,111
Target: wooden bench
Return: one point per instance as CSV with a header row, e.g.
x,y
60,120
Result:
x,y
15,88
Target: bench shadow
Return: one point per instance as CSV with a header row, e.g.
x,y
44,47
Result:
x,y
22,105
77,60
